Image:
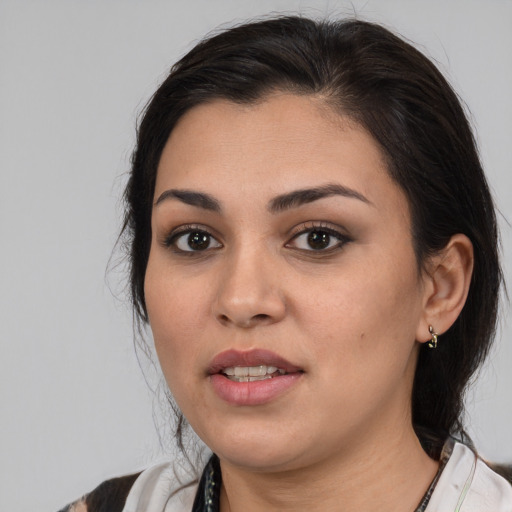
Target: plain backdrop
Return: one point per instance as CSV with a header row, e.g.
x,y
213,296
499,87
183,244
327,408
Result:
x,y
75,408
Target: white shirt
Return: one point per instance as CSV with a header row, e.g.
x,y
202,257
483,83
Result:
x,y
467,484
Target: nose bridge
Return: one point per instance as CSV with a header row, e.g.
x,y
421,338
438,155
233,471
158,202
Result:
x,y
249,290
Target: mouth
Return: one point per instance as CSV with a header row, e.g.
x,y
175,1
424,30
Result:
x,y
256,364
252,373
254,377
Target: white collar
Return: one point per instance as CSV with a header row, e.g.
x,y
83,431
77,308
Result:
x,y
467,484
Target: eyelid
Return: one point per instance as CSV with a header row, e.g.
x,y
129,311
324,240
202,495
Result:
x,y
320,225
169,239
306,227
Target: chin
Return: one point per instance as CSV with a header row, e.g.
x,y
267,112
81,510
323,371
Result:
x,y
261,450
263,462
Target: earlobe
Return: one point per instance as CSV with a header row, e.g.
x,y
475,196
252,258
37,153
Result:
x,y
446,286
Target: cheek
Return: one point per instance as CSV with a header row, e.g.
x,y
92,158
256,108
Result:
x,y
175,309
361,317
362,330
174,320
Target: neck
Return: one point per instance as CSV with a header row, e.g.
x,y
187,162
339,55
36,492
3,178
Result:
x,y
368,476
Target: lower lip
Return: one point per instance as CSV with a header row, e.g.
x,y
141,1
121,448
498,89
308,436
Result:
x,y
258,392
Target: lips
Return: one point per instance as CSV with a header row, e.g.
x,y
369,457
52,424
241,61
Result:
x,y
251,358
253,377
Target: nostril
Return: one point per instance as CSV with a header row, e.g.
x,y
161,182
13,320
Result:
x,y
249,322
223,318
260,317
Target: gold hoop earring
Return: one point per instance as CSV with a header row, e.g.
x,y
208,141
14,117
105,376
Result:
x,y
432,343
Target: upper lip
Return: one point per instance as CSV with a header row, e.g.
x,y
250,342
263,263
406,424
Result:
x,y
254,357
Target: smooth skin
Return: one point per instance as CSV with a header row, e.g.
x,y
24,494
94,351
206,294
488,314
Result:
x,y
235,271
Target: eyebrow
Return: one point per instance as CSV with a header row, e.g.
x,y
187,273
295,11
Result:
x,y
308,195
199,199
280,203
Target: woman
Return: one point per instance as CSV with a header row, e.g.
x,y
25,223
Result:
x,y
314,246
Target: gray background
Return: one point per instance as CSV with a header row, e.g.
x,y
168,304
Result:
x,y
73,76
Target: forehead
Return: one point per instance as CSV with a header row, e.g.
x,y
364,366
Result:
x,y
284,141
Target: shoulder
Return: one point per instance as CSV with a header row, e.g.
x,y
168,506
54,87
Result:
x,y
468,484
109,496
157,488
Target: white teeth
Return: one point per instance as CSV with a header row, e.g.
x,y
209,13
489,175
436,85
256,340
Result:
x,y
259,371
241,371
250,379
251,373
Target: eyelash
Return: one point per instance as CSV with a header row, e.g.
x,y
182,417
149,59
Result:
x,y
320,227
173,238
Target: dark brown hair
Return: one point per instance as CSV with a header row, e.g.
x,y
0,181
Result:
x,y
367,73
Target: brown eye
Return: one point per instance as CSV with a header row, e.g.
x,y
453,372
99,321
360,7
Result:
x,y
198,241
318,240
194,241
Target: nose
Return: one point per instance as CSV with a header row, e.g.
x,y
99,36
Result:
x,y
249,292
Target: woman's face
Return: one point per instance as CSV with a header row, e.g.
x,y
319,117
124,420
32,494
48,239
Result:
x,y
282,286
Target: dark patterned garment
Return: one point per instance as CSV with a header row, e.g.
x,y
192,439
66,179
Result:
x,y
110,496
208,492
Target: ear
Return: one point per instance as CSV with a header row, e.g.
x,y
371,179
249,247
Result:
x,y
446,283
